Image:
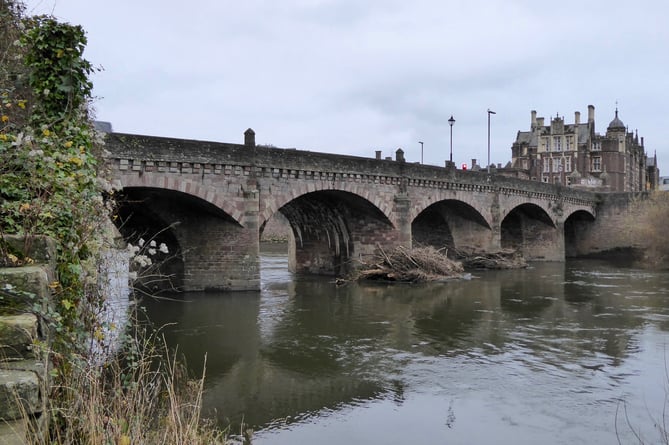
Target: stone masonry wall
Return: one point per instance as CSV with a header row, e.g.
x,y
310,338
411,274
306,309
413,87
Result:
x,y
616,225
22,371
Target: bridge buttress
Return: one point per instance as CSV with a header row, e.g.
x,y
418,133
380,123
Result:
x,y
250,254
496,219
402,211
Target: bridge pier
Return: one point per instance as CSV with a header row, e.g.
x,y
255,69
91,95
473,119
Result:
x,y
220,254
217,256
402,211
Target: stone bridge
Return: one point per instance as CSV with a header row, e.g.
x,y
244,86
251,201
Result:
x,y
209,202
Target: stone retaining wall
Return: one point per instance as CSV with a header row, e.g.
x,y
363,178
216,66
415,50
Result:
x,y
23,373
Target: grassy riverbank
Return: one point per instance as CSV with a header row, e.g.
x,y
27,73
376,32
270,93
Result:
x,y
142,395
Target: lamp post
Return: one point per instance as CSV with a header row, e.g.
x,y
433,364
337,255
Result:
x,y
421,151
451,121
489,113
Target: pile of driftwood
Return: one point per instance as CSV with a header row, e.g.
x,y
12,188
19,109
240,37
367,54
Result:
x,y
504,259
429,264
411,265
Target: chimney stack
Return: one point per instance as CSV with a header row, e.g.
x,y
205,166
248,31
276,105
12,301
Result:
x,y
250,138
534,119
591,114
378,154
577,117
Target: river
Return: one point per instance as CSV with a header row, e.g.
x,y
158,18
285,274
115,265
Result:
x,y
558,353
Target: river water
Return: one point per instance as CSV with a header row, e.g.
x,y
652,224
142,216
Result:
x,y
559,353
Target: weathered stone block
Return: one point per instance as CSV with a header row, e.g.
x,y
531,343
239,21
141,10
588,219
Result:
x,y
19,394
41,249
22,286
17,333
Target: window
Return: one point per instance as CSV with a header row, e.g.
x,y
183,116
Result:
x,y
596,164
557,164
524,163
569,144
547,165
544,178
546,144
596,146
567,164
557,143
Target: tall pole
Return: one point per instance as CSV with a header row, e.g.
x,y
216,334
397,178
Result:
x,y
421,151
451,121
489,113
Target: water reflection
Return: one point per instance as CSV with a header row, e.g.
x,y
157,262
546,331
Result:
x,y
504,346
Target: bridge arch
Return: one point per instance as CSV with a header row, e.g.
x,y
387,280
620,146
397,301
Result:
x,y
577,227
529,229
478,202
451,224
279,195
141,222
186,186
200,237
333,228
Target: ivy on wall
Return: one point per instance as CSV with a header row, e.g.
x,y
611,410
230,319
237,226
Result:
x,y
49,160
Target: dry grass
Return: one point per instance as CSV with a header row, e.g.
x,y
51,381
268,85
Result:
x,y
141,397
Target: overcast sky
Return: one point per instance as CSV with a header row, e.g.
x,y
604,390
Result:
x,y
355,76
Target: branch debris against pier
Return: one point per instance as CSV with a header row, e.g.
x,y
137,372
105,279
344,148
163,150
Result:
x,y
411,265
422,264
503,259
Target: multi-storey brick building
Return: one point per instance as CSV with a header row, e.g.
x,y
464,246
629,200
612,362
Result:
x,y
577,156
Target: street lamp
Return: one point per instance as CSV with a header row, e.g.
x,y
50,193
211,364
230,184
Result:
x,y
421,151
451,121
489,113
